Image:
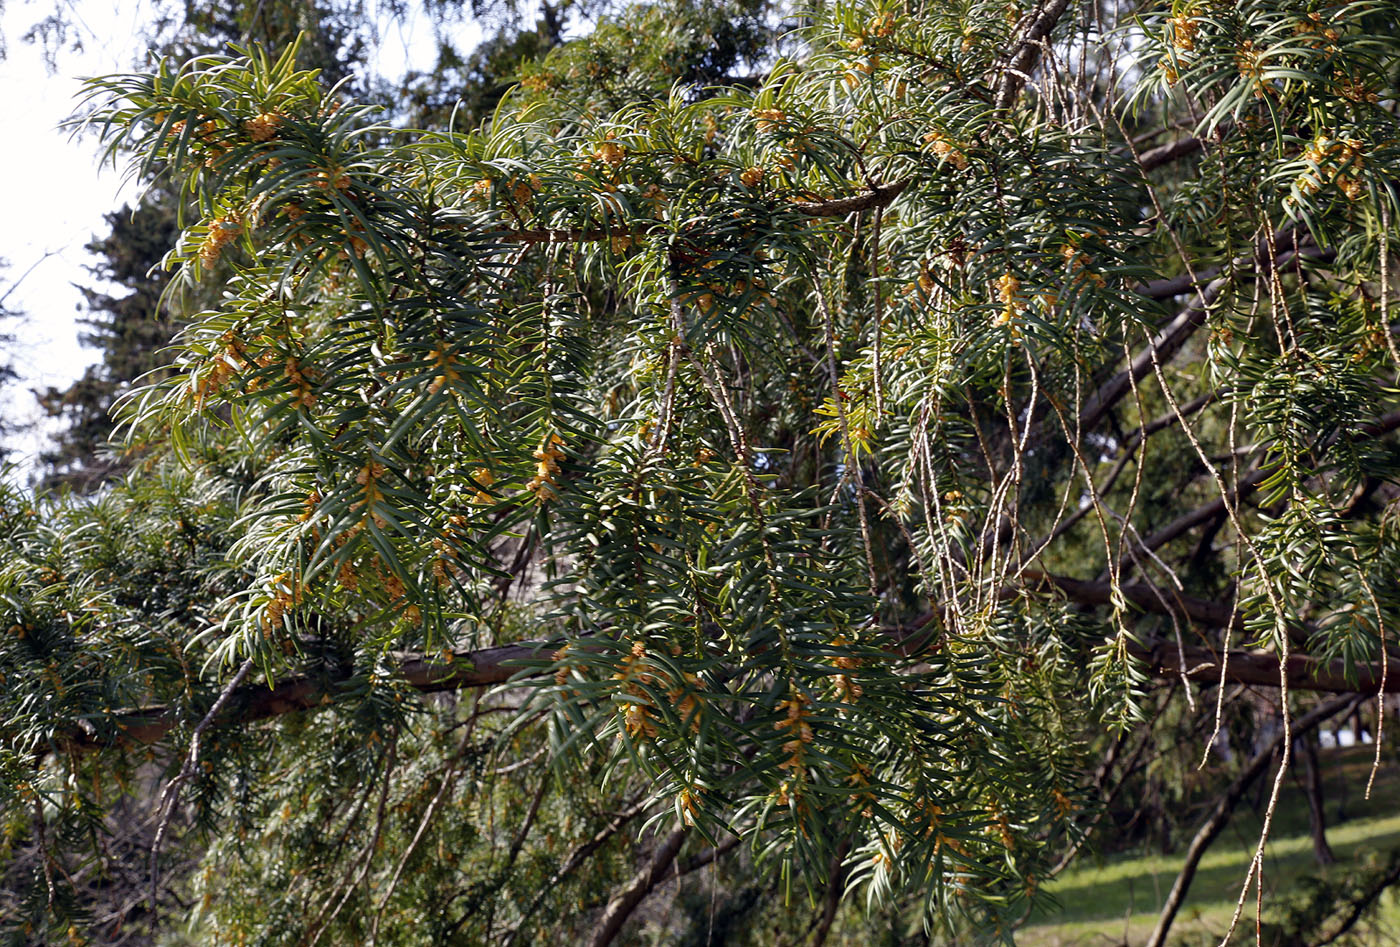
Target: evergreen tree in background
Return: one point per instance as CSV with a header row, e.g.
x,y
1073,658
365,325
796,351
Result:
x,y
814,474
8,375
130,332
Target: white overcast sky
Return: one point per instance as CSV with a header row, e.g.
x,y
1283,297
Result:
x,y
57,192
56,195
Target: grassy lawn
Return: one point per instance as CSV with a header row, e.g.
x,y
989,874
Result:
x,y
1116,900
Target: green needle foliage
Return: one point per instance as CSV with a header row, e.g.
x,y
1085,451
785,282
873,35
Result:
x,y
807,428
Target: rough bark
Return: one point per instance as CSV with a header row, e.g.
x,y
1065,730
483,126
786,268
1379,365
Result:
x,y
1026,54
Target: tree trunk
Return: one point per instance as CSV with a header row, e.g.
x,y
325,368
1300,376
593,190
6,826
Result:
x,y
1317,815
622,905
1220,814
835,888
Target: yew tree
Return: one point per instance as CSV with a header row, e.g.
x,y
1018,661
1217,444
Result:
x,y
806,470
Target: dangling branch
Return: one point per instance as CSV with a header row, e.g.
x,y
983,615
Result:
x,y
1220,814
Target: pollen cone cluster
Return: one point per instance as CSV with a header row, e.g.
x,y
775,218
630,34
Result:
x,y
547,469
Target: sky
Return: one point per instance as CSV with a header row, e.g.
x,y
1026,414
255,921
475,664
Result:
x,y
46,222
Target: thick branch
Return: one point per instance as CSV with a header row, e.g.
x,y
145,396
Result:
x,y
622,905
1147,597
1247,485
1176,285
881,195
699,860
1175,334
1027,52
1163,421
259,702
483,668
1220,814
1362,903
1261,669
577,858
1204,514
1154,158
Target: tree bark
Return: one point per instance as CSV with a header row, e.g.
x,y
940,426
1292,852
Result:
x,y
623,903
488,666
1225,806
1026,54
1317,814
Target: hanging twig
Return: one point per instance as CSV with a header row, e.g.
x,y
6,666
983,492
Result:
x,y
171,794
1225,805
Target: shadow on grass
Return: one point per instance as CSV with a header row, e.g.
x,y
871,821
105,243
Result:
x,y
1103,904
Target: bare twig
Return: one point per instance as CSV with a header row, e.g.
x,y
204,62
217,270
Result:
x,y
171,794
1225,805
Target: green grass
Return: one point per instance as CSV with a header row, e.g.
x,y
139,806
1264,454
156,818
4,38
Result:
x,y
1117,900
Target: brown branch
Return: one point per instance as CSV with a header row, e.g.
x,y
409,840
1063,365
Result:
x,y
1207,513
1027,52
1178,330
255,702
1100,778
1247,485
623,903
835,888
1382,425
1154,158
1220,814
1186,409
1143,595
699,860
882,195
1176,285
1165,344
1260,669
576,858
